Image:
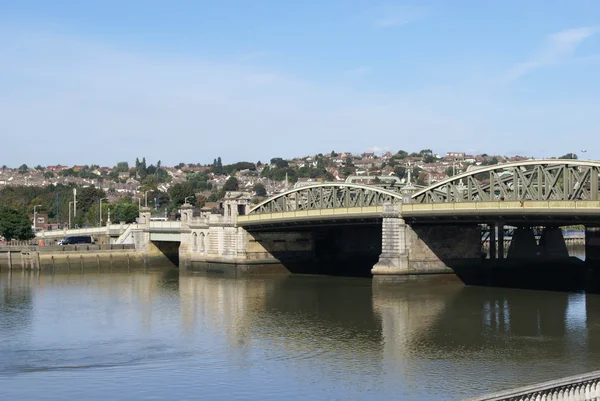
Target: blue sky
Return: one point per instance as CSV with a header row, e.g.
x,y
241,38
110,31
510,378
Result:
x,y
104,81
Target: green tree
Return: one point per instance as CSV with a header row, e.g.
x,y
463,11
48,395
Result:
x,y
122,167
48,174
15,224
400,172
570,156
126,212
259,189
150,183
178,192
231,184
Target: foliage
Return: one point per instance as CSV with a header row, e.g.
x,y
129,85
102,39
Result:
x,y
178,192
400,172
569,156
231,184
279,162
259,189
15,224
121,167
199,181
125,211
54,200
278,173
239,166
217,166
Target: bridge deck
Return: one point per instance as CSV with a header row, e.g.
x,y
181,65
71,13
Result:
x,y
568,211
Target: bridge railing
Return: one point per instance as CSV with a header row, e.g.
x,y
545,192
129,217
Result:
x,y
457,206
170,225
581,387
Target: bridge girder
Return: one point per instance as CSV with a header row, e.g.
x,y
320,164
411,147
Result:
x,y
327,196
529,180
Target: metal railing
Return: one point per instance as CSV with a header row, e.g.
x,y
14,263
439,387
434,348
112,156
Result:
x,y
581,387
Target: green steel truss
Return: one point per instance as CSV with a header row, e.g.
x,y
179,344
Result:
x,y
530,180
327,196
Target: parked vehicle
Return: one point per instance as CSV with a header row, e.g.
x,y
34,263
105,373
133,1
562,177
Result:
x,y
80,239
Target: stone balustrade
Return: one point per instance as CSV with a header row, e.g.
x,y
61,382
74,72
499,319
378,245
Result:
x,y
574,388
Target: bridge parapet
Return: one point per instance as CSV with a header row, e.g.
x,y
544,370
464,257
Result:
x,y
581,387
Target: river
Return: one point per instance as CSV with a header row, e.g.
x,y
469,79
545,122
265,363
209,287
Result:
x,y
162,335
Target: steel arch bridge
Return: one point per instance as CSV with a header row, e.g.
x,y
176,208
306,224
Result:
x,y
530,180
327,195
555,189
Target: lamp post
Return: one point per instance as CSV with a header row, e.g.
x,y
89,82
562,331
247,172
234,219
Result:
x,y
185,200
101,199
35,217
70,203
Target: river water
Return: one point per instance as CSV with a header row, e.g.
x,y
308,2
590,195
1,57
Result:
x,y
160,335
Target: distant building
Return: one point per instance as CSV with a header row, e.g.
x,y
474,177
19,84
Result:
x,y
42,221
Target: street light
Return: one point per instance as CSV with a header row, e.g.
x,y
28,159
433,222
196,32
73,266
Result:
x,y
35,217
70,203
101,199
185,200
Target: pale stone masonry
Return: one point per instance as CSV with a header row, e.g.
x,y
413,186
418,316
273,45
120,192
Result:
x,y
394,257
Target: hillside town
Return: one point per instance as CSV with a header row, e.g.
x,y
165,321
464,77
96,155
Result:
x,y
276,175
46,194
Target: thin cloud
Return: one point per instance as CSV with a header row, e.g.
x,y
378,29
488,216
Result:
x,y
251,56
557,48
358,72
397,16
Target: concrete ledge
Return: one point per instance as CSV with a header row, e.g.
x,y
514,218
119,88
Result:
x,y
579,387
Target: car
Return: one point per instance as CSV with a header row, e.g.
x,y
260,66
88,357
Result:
x,y
80,239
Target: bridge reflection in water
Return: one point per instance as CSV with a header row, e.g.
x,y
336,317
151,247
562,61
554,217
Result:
x,y
286,336
430,337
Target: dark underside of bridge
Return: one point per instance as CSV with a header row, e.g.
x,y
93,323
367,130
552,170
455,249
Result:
x,y
339,248
353,247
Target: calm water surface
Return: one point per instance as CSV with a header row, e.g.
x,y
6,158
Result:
x,y
162,336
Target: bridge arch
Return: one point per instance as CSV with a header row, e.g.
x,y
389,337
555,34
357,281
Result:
x,y
529,180
327,195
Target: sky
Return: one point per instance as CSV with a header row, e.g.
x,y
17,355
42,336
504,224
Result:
x,y
98,82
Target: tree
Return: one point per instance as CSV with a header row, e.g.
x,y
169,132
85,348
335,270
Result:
x,y
178,192
570,156
259,189
126,212
122,167
402,154
150,183
333,154
48,174
400,172
15,224
231,184
279,162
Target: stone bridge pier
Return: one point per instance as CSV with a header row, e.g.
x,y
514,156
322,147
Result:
x,y
425,248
